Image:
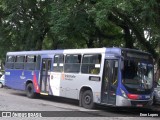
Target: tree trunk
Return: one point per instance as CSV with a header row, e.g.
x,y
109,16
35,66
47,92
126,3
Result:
x,y
41,38
90,42
128,38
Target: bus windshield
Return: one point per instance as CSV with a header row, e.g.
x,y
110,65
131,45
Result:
x,y
137,76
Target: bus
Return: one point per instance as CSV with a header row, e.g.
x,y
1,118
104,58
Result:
x,y
105,76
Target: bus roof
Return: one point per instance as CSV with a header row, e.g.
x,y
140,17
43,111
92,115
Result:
x,y
113,50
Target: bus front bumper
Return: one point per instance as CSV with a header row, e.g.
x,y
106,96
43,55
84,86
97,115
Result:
x,y
121,101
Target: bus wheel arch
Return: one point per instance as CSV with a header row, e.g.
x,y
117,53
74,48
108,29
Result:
x,y
29,88
86,98
28,81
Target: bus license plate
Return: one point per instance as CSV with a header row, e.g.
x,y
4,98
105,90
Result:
x,y
139,105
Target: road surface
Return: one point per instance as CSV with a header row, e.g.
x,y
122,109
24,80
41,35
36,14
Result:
x,y
19,106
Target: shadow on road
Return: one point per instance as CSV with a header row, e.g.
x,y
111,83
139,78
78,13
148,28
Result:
x,y
47,98
100,110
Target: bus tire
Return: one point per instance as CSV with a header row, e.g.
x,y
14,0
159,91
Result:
x,y
30,91
87,99
154,100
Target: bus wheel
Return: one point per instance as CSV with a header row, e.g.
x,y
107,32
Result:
x,y
87,99
154,100
30,91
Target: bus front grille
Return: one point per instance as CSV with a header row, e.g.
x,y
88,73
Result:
x,y
139,103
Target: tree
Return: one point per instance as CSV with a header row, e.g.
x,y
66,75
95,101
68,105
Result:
x,y
57,24
74,22
135,18
25,23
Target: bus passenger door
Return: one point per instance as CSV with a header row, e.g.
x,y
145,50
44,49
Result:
x,y
44,77
110,82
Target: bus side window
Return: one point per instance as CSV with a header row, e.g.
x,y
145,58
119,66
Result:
x,y
19,62
58,63
30,62
72,63
91,64
10,62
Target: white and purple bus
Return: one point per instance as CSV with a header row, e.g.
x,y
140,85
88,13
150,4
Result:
x,y
106,76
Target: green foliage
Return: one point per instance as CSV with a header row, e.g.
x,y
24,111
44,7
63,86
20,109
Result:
x,y
59,24
22,23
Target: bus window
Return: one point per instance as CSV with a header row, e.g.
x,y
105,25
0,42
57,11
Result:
x,y
58,63
91,64
10,58
19,63
10,62
72,63
30,62
30,59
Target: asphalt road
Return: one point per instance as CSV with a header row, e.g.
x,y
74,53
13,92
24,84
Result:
x,y
19,106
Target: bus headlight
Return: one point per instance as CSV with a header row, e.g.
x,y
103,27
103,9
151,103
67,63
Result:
x,y
123,94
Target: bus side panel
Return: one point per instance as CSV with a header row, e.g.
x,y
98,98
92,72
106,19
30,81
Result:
x,y
69,85
34,77
16,79
54,83
90,81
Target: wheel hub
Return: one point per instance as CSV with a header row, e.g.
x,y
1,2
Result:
x,y
87,99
